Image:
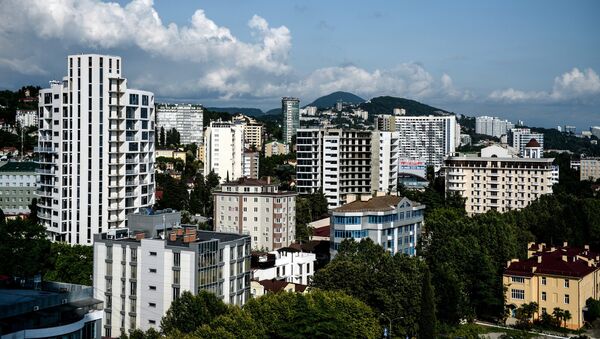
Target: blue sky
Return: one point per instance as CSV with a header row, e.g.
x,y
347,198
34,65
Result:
x,y
534,60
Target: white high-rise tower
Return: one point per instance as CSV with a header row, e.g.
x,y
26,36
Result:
x,y
96,150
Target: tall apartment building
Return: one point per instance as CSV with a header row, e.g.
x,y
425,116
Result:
x,y
253,134
250,166
496,180
187,119
492,126
336,161
519,137
17,187
139,271
391,221
424,138
256,208
95,150
385,161
27,118
589,169
290,108
553,276
224,150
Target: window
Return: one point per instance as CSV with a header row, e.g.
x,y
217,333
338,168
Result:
x,y
176,259
153,254
152,304
566,298
544,296
153,270
152,288
152,322
517,294
567,284
543,280
518,280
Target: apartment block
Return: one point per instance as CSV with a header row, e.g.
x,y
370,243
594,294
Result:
x,y
284,264
519,137
391,221
589,169
224,150
250,166
253,134
498,180
492,126
187,119
276,148
336,161
95,150
553,276
290,108
27,118
256,208
17,187
139,271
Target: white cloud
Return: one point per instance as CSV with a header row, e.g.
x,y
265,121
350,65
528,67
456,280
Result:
x,y
22,66
573,85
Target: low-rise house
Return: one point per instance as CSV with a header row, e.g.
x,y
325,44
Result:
x,y
260,288
286,264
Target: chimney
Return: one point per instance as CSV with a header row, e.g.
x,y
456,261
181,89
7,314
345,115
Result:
x,y
587,247
565,258
552,249
173,236
350,198
539,259
268,179
565,244
365,197
139,236
179,231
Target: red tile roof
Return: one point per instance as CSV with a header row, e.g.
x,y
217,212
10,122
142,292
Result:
x,y
533,143
278,285
560,261
322,231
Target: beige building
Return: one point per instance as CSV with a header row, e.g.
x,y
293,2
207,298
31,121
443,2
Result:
x,y
250,166
498,180
260,288
276,148
253,133
257,208
562,276
169,153
589,169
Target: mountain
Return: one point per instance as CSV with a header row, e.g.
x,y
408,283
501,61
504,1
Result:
x,y
386,105
331,99
233,110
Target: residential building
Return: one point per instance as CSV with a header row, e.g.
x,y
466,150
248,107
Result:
x,y
391,221
95,150
399,111
171,154
290,107
17,187
519,137
253,134
385,157
492,126
412,174
256,208
187,119
589,169
424,138
595,131
26,118
260,288
336,161
287,264
276,148
50,310
554,277
498,180
224,150
570,129
250,166
139,271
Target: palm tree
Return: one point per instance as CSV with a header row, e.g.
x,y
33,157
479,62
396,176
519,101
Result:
x,y
559,315
566,316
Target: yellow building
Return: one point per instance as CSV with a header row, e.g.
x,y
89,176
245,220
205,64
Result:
x,y
562,276
169,153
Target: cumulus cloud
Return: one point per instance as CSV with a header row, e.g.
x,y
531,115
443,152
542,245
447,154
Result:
x,y
572,85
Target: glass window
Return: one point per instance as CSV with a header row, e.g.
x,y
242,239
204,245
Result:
x,y
517,294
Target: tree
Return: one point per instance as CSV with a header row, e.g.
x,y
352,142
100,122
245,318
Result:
x,y
24,248
71,264
236,323
175,193
162,137
427,319
318,314
525,313
566,316
188,312
2,217
33,211
173,138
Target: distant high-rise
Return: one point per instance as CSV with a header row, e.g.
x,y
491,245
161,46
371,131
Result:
x,y
290,107
492,126
95,150
224,145
518,138
185,118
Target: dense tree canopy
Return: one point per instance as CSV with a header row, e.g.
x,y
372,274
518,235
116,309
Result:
x,y
188,312
24,248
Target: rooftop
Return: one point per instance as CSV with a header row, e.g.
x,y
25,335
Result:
x,y
247,182
533,143
278,285
375,204
19,166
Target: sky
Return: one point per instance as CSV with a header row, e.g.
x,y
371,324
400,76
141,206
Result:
x,y
537,61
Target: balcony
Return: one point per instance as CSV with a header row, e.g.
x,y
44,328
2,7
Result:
x,y
44,171
44,150
44,193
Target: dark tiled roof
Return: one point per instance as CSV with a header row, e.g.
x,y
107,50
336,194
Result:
x,y
278,285
322,231
533,143
19,166
246,182
563,261
378,204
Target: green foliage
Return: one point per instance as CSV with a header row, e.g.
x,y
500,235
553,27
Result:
x,y
10,99
427,319
524,315
188,312
276,167
139,334
236,323
175,194
8,139
201,199
319,314
71,264
209,115
330,100
386,105
593,312
391,285
553,139
24,248
309,208
172,138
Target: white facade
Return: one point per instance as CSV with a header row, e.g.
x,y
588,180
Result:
x,y
250,167
492,126
27,118
256,208
224,150
290,107
498,181
290,265
519,137
385,161
335,161
185,118
96,150
137,279
393,222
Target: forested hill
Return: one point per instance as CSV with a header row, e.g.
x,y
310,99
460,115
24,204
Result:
x,y
331,99
386,105
234,110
